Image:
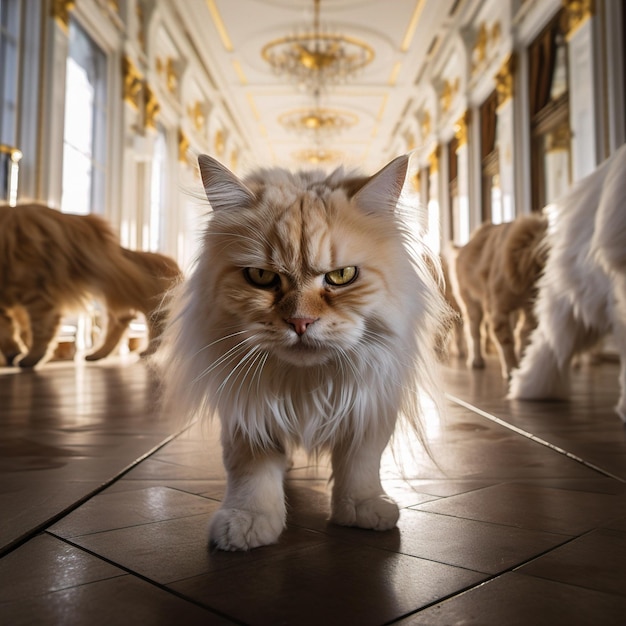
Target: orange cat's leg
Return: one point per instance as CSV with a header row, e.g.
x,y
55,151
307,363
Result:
x,y
156,325
116,327
358,497
8,346
475,317
503,331
44,322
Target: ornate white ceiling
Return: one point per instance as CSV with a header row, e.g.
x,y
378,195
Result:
x,y
230,34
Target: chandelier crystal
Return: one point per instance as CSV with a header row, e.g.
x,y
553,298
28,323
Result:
x,y
316,121
316,60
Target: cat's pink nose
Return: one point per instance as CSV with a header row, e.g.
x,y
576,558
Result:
x,y
300,324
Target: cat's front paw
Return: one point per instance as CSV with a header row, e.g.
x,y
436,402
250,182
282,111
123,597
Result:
x,y
379,513
239,529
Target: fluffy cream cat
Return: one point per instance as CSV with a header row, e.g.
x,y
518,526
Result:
x,y
582,293
308,321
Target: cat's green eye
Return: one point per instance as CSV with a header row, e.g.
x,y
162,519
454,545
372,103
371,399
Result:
x,y
344,276
260,277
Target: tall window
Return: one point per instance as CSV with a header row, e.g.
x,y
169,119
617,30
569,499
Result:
x,y
10,18
491,193
157,192
549,110
84,139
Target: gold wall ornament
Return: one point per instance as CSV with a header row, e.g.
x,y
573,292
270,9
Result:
x,y
197,114
60,11
183,146
560,139
425,123
480,47
220,142
114,5
409,139
168,70
151,107
505,80
577,12
449,91
433,160
461,128
133,82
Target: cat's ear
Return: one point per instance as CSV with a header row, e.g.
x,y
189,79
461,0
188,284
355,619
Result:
x,y
223,189
382,190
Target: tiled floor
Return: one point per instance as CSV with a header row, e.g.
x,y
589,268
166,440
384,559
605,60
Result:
x,y
104,507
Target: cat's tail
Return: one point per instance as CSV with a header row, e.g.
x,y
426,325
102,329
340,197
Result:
x,y
526,251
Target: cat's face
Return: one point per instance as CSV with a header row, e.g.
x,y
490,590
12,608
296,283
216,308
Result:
x,y
304,274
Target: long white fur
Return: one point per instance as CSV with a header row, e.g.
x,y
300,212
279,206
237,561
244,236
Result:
x,y
347,405
582,294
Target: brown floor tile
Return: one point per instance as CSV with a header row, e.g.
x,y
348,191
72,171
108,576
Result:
x,y
111,511
45,564
333,583
533,507
595,561
517,600
121,600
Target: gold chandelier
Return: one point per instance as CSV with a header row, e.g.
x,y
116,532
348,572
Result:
x,y
315,60
317,121
317,156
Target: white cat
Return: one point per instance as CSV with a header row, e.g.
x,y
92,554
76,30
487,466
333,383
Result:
x,y
308,321
582,294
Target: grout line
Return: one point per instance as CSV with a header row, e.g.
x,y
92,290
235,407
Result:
x,y
532,437
35,530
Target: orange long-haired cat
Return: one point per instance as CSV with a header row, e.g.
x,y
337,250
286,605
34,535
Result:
x,y
51,262
308,321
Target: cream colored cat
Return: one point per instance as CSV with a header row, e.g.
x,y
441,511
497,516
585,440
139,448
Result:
x,y
307,322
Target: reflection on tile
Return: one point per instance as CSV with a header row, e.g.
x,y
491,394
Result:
x,y
333,583
533,507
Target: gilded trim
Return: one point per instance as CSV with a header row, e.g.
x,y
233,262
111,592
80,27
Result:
x,y
151,107
60,11
505,80
433,160
461,128
577,12
183,146
133,82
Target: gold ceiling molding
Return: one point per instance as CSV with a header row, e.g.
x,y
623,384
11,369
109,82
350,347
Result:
x,y
461,128
219,25
393,77
449,91
412,25
219,143
197,114
243,79
60,11
133,83
505,80
183,146
577,12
